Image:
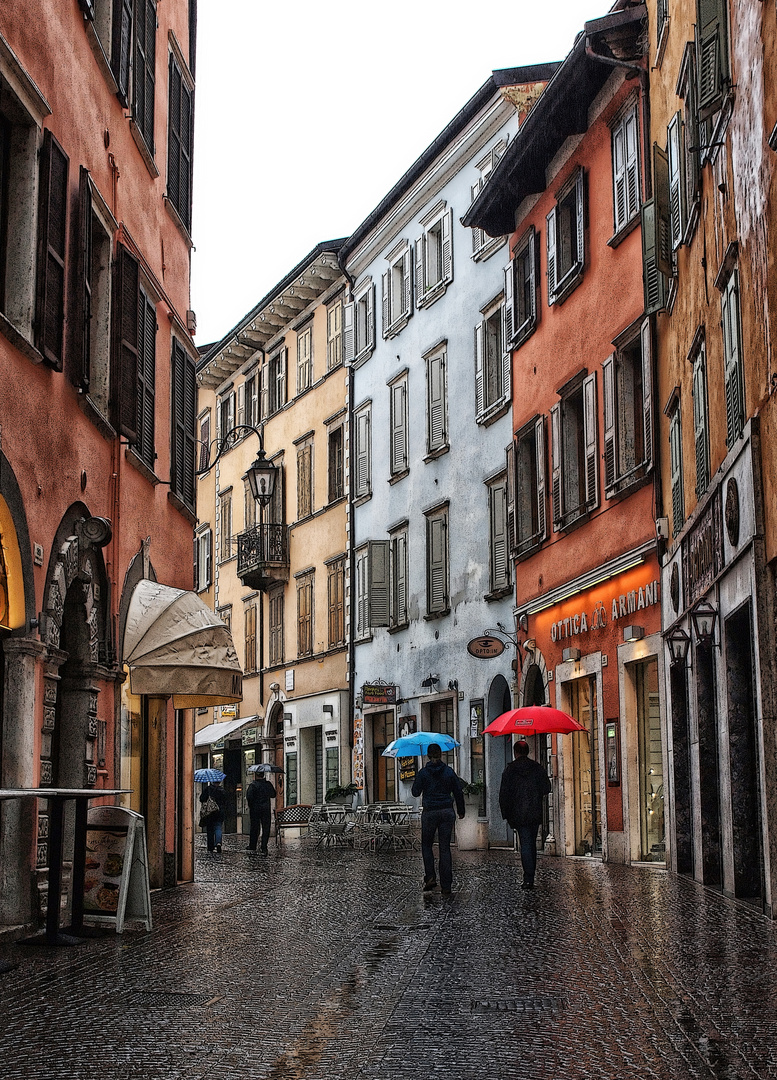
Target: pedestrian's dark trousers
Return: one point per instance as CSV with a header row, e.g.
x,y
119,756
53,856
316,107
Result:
x,y
260,818
527,836
439,822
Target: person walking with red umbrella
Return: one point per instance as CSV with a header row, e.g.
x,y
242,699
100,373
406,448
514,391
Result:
x,y
524,785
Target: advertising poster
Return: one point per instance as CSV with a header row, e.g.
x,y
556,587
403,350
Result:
x,y
105,852
116,884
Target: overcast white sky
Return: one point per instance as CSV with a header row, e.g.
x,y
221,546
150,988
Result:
x,y
307,113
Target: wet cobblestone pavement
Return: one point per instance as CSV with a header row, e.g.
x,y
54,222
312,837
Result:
x,y
332,964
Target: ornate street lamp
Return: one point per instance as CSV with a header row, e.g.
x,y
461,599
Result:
x,y
704,616
261,473
678,642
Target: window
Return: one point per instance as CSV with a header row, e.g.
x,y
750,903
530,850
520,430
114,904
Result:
x,y
522,278
492,364
226,416
305,614
527,486
499,561
334,334
625,169
274,382
662,19
275,618
305,479
249,619
398,426
336,601
566,240
574,451
363,470
691,139
657,237
436,401
372,587
434,255
712,59
701,420
628,410
251,396
203,445
184,405
304,359
397,284
275,513
146,379
437,581
89,312
359,323
675,154
676,462
398,583
732,358
143,73
225,526
332,778
336,474
484,245
203,559
179,144
52,239
249,505
291,778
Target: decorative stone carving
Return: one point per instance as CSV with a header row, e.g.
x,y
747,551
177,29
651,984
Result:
x,y
46,773
731,512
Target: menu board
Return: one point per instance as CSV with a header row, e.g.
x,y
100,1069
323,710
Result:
x,y
116,884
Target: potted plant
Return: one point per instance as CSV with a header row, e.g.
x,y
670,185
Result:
x,y
341,796
471,830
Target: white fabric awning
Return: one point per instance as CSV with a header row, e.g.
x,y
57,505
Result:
x,y
176,646
216,732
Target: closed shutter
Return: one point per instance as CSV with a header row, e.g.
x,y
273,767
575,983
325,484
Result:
x,y
551,246
146,379
398,427
619,176
542,514
512,495
385,279
676,468
479,369
179,146
436,420
379,583
349,340
437,597
362,454
556,460
400,579
370,318
420,269
732,349
700,428
121,47
647,391
509,321
591,432
580,219
610,430
663,224
500,575
676,173
407,282
52,239
362,596
446,227
143,74
124,316
654,282
184,421
81,312
304,478
712,54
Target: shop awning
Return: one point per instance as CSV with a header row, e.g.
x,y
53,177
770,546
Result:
x,y
176,646
214,733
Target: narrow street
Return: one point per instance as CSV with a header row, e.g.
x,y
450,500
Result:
x,y
318,964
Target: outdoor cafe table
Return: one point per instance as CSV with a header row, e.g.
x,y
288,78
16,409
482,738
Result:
x,y
57,798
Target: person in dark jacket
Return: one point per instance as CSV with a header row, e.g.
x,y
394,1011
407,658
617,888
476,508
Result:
x,y
215,821
524,785
258,796
440,786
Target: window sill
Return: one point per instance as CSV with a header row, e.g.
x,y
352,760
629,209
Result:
x,y
433,294
626,485
568,525
619,236
137,462
179,222
489,249
568,285
396,327
498,594
531,548
99,53
398,628
185,511
146,152
432,615
9,331
438,453
229,559
93,413
494,413
523,334
398,476
362,499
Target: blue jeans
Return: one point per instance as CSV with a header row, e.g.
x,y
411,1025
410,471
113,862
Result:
x,y
439,822
213,829
527,836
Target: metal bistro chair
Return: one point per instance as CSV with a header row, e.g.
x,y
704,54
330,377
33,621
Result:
x,y
402,836
317,824
295,816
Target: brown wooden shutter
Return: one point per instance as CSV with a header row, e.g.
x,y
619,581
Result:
x,y
143,74
124,376
184,420
179,148
121,47
146,379
52,238
80,310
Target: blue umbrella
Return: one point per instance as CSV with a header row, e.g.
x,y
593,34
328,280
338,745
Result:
x,y
208,776
416,745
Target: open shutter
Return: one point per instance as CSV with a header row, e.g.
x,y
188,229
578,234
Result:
x,y
363,453
143,74
551,245
633,193
654,282
500,574
580,218
479,369
591,433
437,597
420,266
676,173
533,271
264,381
663,226
52,239
124,377
478,236
510,500
556,458
712,54
647,391
241,406
608,393
349,339
676,468
121,47
436,392
542,515
398,427
446,228
146,379
407,282
509,321
81,311
700,425
196,563
184,420
386,306
400,579
370,316
620,199
732,360
379,582
283,364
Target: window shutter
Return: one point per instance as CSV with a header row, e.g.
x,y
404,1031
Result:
x,y
534,277
654,282
348,334
241,405
663,226
591,431
283,364
437,597
676,173
379,583
608,393
500,576
146,379
556,458
204,443
436,392
507,356
580,216
400,579
398,428
407,282
264,380
81,312
551,245
542,516
386,287
420,268
179,146
479,369
478,236
121,47
510,501
362,598
363,454
632,165
196,563
446,232
125,318
700,426
52,238
370,314
735,416
208,539
620,199
676,463
712,54
143,73
509,321
184,421
647,391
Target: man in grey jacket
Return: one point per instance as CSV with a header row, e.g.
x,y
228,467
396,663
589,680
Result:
x,y
524,786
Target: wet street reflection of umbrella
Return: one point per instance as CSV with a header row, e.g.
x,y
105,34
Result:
x,y
208,776
416,745
263,767
533,720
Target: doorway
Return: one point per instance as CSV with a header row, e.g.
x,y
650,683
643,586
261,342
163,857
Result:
x,y
441,720
650,762
681,758
709,781
384,770
585,766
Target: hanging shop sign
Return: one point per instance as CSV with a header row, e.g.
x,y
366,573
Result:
x,y
379,694
485,647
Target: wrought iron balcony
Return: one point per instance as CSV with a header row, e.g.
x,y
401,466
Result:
x,y
263,556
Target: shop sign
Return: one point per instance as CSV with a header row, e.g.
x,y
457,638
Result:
x,y
476,719
379,694
407,765
622,606
703,551
250,735
229,712
485,647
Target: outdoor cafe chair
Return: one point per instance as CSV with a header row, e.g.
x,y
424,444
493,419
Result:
x,y
296,815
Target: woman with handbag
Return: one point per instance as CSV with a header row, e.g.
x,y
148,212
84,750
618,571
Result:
x,y
212,802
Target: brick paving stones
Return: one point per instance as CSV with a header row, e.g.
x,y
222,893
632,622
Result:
x,y
315,964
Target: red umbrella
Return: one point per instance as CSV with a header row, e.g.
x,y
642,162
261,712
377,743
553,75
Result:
x,y
533,720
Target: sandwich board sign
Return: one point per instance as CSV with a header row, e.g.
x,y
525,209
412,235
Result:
x,y
116,884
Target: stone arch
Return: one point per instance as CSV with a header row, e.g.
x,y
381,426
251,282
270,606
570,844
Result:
x,y
497,755
14,505
534,680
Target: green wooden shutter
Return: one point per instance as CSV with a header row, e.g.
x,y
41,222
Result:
x,y
700,425
81,311
646,334
676,177
654,282
676,469
125,318
52,241
732,350
712,54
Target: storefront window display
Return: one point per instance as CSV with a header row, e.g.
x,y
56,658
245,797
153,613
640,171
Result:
x,y
585,761
651,769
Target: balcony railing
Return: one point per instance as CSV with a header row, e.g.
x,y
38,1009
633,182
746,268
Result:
x,y
263,555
